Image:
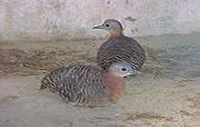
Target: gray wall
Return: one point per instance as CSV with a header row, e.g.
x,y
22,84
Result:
x,y
74,19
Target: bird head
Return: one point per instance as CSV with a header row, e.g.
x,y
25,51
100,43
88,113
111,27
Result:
x,y
122,69
111,25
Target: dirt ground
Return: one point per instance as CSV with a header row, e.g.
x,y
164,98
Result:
x,y
166,94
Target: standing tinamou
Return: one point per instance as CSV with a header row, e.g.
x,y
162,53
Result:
x,y
119,48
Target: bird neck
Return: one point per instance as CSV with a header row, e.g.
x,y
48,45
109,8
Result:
x,y
114,84
116,33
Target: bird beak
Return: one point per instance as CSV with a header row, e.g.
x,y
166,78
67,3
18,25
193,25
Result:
x,y
137,72
133,74
98,27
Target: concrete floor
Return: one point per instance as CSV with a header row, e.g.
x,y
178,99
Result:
x,y
167,94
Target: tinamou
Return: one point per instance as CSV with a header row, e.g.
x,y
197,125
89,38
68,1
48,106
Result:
x,y
88,85
119,47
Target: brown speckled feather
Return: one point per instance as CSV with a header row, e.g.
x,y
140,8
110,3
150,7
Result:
x,y
120,48
85,85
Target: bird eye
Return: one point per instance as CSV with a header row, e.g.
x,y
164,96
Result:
x,y
124,69
107,25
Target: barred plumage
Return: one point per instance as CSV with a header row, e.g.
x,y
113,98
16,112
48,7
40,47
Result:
x,y
87,85
119,47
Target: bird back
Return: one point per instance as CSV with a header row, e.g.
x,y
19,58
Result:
x,y
120,49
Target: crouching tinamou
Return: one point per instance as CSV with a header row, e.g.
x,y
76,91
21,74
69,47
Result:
x,y
119,47
87,85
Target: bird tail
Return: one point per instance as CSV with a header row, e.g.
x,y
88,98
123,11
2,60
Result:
x,y
44,83
52,79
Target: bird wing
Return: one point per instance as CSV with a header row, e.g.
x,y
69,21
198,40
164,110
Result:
x,y
83,93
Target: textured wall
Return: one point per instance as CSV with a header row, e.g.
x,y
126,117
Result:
x,y
74,19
